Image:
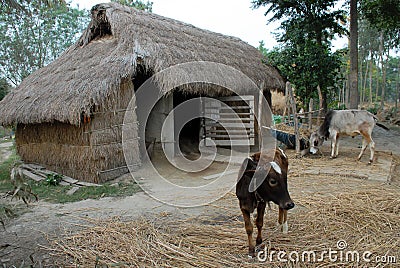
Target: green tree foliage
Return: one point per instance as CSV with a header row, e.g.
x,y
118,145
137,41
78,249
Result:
x,y
304,56
4,88
383,15
138,4
393,78
262,49
375,47
35,35
379,35
15,4
307,67
316,17
368,38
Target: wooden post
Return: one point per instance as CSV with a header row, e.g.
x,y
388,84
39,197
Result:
x,y
296,126
310,113
168,134
287,105
260,113
320,105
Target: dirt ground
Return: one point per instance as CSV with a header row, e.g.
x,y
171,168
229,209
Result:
x,y
25,240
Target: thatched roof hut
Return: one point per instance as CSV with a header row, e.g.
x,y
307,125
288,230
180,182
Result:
x,y
67,113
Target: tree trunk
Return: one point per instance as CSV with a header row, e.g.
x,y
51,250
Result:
x,y
353,77
383,84
310,114
364,87
361,80
384,66
370,78
324,103
397,87
347,94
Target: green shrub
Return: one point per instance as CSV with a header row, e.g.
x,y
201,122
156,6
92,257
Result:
x,y
53,179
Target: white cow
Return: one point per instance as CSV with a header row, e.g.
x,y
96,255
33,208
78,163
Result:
x,y
345,123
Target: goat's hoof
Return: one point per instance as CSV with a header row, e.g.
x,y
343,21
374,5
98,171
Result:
x,y
285,227
252,253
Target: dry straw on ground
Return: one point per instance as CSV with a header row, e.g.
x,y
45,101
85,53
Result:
x,y
366,217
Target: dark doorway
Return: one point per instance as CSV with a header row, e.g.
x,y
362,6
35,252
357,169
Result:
x,y
188,136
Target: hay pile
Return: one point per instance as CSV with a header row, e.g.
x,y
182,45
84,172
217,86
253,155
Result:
x,y
367,219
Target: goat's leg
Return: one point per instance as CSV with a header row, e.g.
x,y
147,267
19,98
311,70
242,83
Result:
x,y
333,145
337,146
260,221
364,145
249,230
366,140
372,149
282,220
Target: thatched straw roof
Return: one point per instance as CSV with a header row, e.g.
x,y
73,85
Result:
x,y
117,40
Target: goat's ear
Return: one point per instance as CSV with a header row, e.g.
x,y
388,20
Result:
x,y
248,166
249,172
281,158
251,164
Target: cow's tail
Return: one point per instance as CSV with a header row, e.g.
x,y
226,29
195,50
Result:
x,y
379,124
382,126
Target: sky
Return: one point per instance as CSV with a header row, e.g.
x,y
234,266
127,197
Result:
x,y
228,17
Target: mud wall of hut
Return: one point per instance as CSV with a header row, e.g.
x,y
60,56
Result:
x,y
91,152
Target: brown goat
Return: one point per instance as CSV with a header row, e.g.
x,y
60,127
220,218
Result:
x,y
263,178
